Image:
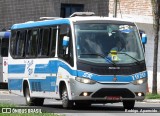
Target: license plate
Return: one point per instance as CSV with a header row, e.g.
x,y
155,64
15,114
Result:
x,y
113,97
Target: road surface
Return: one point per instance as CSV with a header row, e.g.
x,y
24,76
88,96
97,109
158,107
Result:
x,y
51,105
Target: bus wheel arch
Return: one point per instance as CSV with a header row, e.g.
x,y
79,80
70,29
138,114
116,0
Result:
x,y
30,101
62,84
66,103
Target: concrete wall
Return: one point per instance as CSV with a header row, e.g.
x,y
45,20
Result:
x,y
137,7
136,10
149,53
19,11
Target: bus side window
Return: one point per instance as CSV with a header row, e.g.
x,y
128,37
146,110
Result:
x,y
31,45
65,53
20,42
44,41
53,42
13,43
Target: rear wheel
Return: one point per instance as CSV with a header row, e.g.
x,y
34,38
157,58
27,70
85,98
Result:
x,y
32,101
66,103
128,104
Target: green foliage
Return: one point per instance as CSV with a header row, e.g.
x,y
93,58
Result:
x,y
31,114
152,96
7,105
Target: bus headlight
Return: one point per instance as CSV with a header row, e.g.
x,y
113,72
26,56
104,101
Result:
x,y
140,81
85,80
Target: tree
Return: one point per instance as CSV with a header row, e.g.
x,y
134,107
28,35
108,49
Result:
x,y
156,14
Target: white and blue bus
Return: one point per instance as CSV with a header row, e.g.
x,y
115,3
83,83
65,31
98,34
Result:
x,y
4,44
80,60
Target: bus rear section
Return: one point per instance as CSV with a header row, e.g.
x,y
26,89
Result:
x,y
83,60
4,44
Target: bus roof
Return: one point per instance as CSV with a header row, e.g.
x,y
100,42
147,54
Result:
x,y
90,18
31,24
5,34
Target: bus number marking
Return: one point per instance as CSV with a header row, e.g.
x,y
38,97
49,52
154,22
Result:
x,y
89,75
139,76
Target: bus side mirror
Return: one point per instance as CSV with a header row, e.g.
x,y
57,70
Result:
x,y
144,38
65,41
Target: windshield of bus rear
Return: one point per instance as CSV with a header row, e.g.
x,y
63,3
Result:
x,y
95,42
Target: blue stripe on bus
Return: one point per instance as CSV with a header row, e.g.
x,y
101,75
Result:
x,y
15,84
20,68
47,84
109,78
105,78
40,23
52,67
7,35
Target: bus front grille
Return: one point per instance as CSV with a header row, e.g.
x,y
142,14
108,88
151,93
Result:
x,y
124,93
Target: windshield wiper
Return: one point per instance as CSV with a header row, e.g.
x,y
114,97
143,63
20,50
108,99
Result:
x,y
137,61
103,56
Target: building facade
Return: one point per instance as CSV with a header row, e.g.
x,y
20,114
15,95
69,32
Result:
x,y
19,11
139,11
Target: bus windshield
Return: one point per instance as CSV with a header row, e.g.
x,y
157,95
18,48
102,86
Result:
x,y
95,39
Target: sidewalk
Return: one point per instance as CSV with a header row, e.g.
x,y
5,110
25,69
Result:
x,y
2,91
151,100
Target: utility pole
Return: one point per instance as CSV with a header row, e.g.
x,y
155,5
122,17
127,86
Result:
x,y
115,9
156,14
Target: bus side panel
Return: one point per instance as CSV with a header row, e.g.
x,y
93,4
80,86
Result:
x,y
48,84
15,84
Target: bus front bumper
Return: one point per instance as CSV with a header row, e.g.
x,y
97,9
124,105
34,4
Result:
x,y
108,92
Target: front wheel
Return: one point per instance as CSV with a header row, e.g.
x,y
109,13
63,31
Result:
x,y
32,101
128,104
66,103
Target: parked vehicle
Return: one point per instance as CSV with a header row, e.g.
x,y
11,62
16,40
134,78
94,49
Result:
x,y
4,44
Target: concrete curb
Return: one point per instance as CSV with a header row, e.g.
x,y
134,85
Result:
x,y
152,100
4,92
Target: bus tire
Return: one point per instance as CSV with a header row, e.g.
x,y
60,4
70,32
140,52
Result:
x,y
66,103
32,101
128,104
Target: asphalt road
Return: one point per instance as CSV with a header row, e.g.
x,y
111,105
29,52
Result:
x,y
51,105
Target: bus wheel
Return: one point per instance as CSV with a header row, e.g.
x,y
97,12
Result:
x,y
128,104
32,101
65,100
